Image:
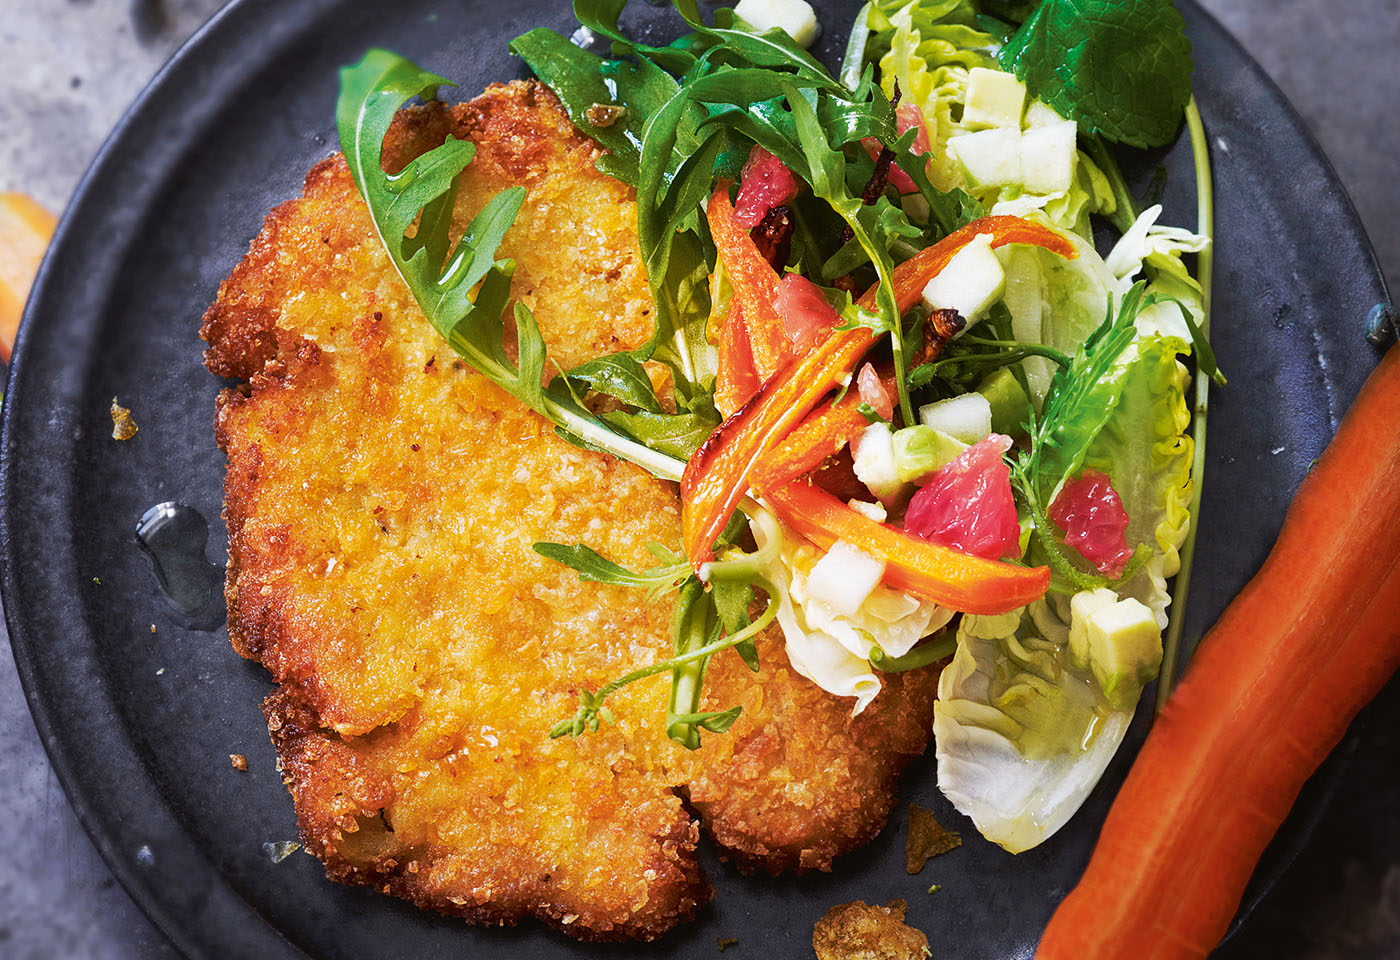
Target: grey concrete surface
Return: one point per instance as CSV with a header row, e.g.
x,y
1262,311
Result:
x,y
70,69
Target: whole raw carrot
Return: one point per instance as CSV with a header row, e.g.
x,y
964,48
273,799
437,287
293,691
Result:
x,y
1274,685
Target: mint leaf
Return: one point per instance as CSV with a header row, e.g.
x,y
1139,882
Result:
x,y
1121,68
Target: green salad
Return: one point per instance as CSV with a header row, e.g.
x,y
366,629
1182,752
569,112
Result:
x,y
915,413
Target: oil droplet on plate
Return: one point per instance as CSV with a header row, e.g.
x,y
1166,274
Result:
x,y
173,537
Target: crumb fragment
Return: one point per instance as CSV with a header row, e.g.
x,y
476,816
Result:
x,y
927,838
281,850
239,761
859,931
123,426
604,114
153,628
724,943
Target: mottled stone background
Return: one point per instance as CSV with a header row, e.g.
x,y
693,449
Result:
x,y
68,69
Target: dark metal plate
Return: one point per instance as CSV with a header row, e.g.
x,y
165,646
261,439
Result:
x,y
139,722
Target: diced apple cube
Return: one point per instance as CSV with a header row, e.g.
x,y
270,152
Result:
x,y
989,158
1047,157
972,281
1039,114
966,418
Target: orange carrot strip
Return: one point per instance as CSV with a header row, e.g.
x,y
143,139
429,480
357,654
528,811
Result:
x,y
1276,681
736,380
821,435
25,229
755,284
718,473
956,580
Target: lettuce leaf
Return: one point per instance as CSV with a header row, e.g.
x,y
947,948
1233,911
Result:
x,y
1022,734
1021,737
1145,450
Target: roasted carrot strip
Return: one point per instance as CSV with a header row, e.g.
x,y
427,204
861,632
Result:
x,y
737,380
820,436
718,474
956,580
754,281
1273,687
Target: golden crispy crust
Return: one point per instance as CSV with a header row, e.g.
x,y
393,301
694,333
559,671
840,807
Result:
x,y
381,500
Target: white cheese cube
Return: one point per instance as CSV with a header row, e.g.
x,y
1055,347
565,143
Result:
x,y
795,17
988,158
967,418
844,577
1048,154
972,281
994,99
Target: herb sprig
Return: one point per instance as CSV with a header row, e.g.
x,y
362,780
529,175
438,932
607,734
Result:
x,y
708,620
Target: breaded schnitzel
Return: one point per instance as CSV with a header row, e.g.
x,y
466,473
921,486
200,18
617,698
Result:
x,y
381,503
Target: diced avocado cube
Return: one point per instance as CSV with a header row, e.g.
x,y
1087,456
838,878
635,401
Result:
x,y
874,463
795,17
920,450
1119,639
989,158
1047,157
967,418
972,281
994,99
1010,408
1081,610
844,577
1039,113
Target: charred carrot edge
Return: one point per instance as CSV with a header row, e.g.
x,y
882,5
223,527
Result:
x,y
821,435
948,577
718,473
736,381
1312,637
755,284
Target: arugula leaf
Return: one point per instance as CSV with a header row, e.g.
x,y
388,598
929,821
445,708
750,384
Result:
x,y
773,48
619,375
593,566
583,81
826,169
601,17
1121,68
677,435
